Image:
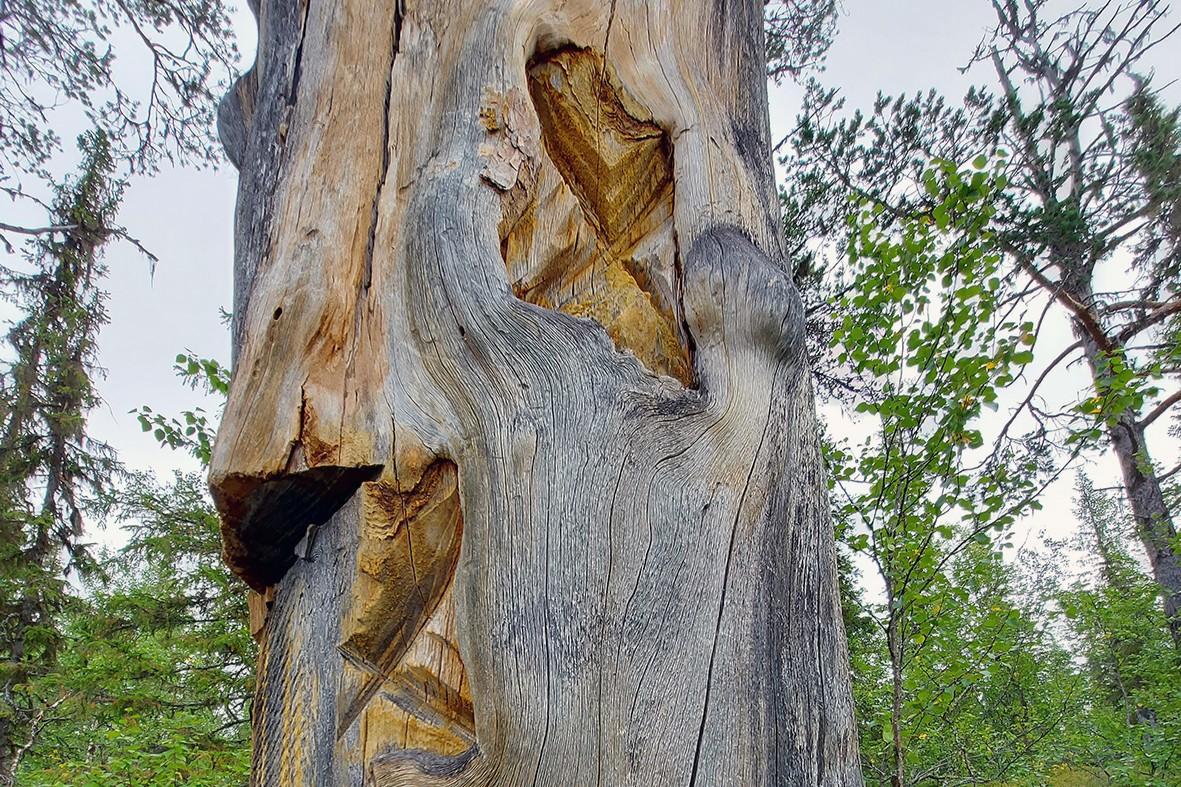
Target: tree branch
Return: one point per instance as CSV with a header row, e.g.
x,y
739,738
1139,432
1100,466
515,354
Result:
x,y
37,230
1160,409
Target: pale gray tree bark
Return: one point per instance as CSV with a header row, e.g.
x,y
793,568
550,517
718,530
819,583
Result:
x,y
521,455
1090,199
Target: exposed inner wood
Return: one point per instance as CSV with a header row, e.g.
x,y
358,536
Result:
x,y
596,240
300,433
605,176
399,632
546,289
425,703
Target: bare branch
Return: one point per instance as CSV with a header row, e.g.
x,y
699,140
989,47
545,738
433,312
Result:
x,y
37,230
1160,409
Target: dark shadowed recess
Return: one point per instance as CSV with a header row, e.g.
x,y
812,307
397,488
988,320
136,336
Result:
x,y
272,516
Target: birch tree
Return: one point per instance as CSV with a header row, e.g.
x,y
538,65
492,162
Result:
x,y
1094,184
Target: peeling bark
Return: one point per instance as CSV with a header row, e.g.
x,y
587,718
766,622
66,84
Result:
x,y
520,454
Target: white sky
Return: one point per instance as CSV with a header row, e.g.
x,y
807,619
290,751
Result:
x,y
185,217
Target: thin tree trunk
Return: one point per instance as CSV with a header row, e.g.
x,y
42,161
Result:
x,y
1154,521
893,637
521,440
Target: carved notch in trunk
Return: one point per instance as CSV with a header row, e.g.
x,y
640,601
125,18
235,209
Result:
x,y
596,237
270,517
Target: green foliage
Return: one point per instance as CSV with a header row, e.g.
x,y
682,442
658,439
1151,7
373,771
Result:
x,y
155,678
1131,730
1059,219
1080,162
143,677
192,430
798,33
922,327
50,471
987,691
868,662
157,675
1156,135
962,679
59,54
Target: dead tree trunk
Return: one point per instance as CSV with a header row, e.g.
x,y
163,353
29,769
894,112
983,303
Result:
x,y
520,453
1142,487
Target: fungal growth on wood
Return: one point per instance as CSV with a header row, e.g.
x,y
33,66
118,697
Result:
x,y
520,457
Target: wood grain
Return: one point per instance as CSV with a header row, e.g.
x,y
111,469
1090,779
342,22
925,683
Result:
x,y
521,438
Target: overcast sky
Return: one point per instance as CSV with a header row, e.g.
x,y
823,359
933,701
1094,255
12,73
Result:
x,y
185,217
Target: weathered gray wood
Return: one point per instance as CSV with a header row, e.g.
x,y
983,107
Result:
x,y
471,236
